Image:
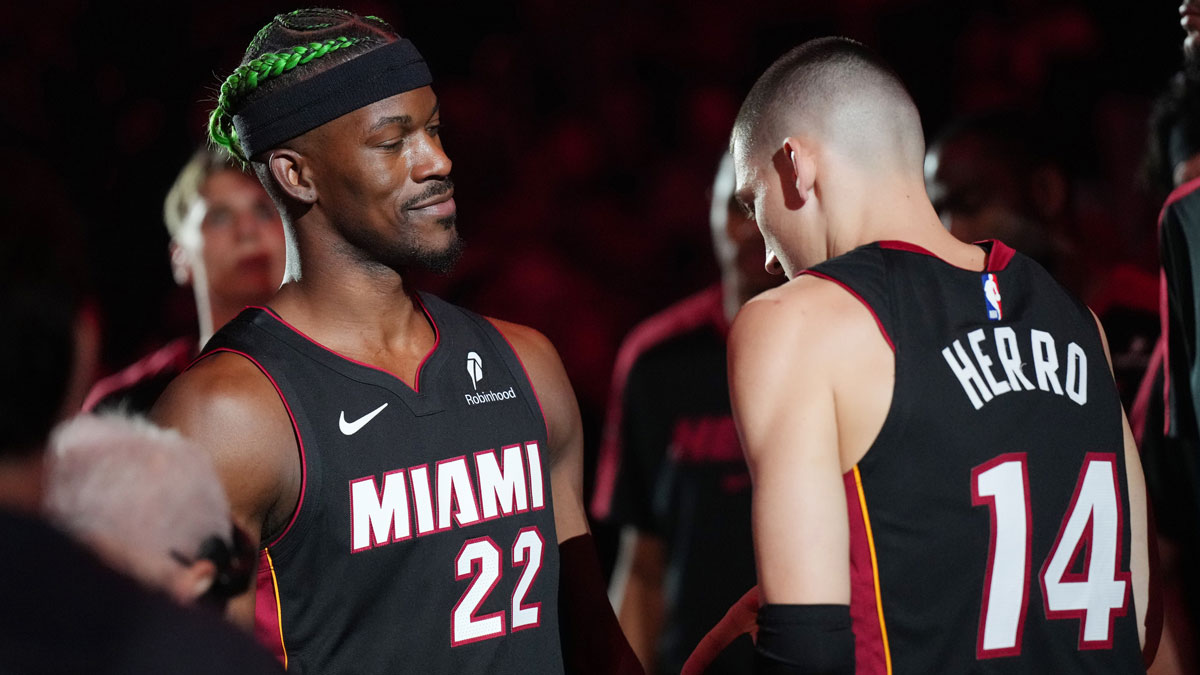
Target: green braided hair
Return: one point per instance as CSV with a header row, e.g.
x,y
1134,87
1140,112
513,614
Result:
x,y
247,77
294,46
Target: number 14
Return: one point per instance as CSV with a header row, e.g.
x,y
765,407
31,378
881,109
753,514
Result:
x,y
1096,597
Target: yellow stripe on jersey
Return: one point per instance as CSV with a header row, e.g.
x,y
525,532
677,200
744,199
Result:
x,y
862,501
279,611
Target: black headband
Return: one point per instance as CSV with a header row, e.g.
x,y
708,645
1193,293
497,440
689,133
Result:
x,y
392,69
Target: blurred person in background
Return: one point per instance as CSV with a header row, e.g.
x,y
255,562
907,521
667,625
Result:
x,y
990,178
1179,251
1172,162
227,245
1175,471
149,502
997,176
64,610
671,471
1172,474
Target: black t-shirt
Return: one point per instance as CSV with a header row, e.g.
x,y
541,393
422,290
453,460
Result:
x,y
63,612
424,540
671,466
989,520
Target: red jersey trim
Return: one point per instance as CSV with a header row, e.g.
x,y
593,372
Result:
x,y
177,353
1146,391
705,307
1177,194
897,245
851,291
415,386
998,257
872,655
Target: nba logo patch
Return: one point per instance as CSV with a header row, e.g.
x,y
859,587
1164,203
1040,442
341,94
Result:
x,y
991,296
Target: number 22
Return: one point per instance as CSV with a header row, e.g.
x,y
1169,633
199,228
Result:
x,y
480,558
1096,597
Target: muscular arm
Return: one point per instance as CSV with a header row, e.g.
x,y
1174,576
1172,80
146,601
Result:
x,y
232,411
810,382
783,403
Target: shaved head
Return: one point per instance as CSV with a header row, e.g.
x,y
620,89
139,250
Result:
x,y
839,92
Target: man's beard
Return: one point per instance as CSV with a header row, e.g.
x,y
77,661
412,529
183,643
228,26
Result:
x,y
405,252
411,253
436,261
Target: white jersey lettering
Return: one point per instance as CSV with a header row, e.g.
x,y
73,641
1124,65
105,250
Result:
x,y
976,369
507,483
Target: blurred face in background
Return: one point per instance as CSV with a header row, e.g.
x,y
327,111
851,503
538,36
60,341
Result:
x,y
976,196
232,241
979,194
737,242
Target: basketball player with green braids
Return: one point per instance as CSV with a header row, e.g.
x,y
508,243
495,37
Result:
x,y
411,470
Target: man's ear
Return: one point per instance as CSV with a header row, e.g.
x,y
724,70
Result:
x,y
292,172
181,264
797,171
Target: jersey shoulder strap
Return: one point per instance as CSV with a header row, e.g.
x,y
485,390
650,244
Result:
x,y
485,327
863,273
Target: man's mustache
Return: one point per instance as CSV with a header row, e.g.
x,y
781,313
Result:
x,y
435,189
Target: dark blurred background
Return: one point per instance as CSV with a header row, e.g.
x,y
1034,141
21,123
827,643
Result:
x,y
584,135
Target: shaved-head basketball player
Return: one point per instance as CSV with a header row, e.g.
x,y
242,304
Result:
x,y
943,479
411,470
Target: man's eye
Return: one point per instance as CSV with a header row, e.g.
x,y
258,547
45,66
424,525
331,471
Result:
x,y
434,129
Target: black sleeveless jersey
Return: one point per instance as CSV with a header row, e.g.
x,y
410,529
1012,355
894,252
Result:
x,y
989,520
424,538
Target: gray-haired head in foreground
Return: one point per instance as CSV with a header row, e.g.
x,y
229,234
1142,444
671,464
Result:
x,y
836,90
134,492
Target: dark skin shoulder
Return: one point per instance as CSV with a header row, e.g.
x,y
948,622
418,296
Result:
x,y
564,428
229,408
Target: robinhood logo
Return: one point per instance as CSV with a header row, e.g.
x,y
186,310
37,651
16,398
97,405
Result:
x,y
490,396
474,369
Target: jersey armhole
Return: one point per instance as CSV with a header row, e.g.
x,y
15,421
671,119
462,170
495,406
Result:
x,y
265,541
896,418
878,322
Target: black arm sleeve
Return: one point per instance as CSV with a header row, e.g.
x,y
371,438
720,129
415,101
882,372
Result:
x,y
804,640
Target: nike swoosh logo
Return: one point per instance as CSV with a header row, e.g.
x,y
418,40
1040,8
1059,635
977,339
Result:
x,y
351,428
